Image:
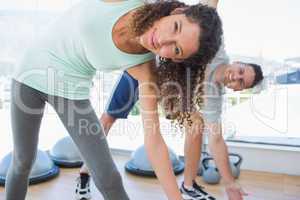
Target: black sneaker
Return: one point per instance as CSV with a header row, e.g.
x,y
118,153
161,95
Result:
x,y
83,191
196,193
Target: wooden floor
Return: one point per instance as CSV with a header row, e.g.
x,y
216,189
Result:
x,y
260,186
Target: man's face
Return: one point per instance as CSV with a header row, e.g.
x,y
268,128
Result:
x,y
239,76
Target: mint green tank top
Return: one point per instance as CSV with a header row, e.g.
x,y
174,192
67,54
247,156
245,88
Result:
x,y
64,60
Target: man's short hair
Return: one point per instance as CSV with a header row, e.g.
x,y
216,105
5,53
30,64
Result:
x,y
258,73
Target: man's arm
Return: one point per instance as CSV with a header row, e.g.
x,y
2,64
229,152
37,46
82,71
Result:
x,y
210,3
219,151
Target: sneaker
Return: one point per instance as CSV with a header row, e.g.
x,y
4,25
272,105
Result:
x,y
195,193
83,191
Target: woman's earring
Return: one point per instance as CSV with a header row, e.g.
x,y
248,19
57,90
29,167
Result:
x,y
162,59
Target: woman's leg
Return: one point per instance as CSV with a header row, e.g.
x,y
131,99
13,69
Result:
x,y
121,102
86,131
26,113
107,121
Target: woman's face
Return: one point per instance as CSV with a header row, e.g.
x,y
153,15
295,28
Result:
x,y
173,37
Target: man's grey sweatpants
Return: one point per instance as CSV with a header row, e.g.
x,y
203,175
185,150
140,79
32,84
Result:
x,y
83,125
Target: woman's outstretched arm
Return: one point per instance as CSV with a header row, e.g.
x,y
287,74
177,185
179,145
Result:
x,y
156,148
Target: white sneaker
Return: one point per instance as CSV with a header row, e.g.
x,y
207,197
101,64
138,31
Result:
x,y
83,191
195,193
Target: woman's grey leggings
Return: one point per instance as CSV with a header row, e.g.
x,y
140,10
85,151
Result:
x,y
83,125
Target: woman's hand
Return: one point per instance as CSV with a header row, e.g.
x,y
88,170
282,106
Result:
x,y
235,191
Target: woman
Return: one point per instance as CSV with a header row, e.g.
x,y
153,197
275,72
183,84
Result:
x,y
97,35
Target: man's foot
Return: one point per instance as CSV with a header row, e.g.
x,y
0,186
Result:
x,y
83,191
196,192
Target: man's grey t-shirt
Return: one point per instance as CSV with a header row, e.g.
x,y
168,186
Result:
x,y
213,92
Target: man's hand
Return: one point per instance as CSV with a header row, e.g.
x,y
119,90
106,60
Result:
x,y
235,191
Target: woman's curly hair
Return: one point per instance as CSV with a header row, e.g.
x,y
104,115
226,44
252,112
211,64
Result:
x,y
181,89
181,83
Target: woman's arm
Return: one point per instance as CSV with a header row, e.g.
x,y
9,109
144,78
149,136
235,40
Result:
x,y
156,148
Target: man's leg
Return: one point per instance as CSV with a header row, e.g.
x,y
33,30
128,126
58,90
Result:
x,y
192,150
192,155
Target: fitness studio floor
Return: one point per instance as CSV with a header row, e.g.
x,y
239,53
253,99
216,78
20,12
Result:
x,y
261,186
